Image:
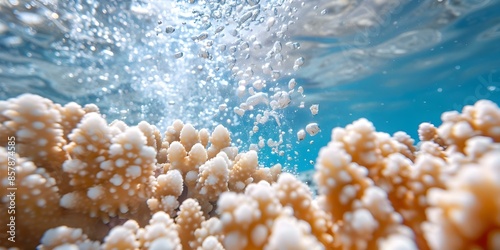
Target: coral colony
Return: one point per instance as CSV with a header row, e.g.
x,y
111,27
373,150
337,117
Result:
x,y
70,180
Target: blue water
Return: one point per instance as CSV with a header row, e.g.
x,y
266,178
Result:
x,y
396,63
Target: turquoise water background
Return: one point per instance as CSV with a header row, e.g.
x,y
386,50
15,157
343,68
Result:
x,y
416,60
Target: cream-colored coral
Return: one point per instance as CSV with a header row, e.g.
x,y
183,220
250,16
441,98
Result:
x,y
465,215
161,230
174,131
212,180
27,192
359,141
247,218
368,148
67,238
432,148
358,166
427,132
152,135
204,177
340,181
407,147
477,147
371,221
189,218
211,228
34,122
397,242
219,140
241,172
109,169
36,199
481,119
204,136
267,174
295,194
373,188
166,190
188,136
211,243
179,158
71,114
122,237
292,234
398,179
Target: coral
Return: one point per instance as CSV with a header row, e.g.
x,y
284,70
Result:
x,y
189,219
109,169
67,238
39,192
212,180
340,181
94,175
427,132
161,231
291,234
210,230
241,172
362,211
220,140
481,119
247,218
85,184
71,114
406,144
120,237
267,174
34,122
166,189
466,213
295,194
153,136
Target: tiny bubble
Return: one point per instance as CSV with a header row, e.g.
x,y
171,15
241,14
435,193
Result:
x,y
178,55
169,29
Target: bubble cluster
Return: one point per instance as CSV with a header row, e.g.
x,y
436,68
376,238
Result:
x,y
226,62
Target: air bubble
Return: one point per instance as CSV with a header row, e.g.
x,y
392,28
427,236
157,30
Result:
x,y
301,135
245,17
267,69
257,45
204,54
178,55
298,63
277,47
222,107
292,83
300,90
312,129
253,2
169,29
219,29
314,109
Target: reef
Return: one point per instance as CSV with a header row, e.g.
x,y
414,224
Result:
x,y
76,182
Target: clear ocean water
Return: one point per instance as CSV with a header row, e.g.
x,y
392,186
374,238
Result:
x,y
397,63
